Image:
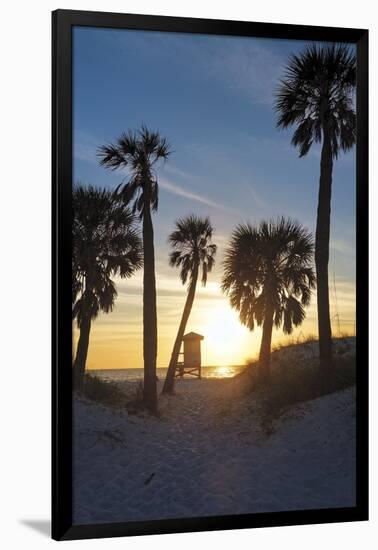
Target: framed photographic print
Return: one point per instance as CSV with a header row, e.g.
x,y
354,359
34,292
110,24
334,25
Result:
x,y
210,225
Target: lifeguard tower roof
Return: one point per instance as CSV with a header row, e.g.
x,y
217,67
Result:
x,y
193,336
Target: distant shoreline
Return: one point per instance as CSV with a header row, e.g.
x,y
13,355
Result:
x,y
165,368
135,374
312,342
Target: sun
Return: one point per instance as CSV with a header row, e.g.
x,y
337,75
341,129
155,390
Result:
x,y
227,341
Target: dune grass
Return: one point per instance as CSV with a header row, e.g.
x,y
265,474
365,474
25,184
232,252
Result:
x,y
113,394
293,383
295,377
102,391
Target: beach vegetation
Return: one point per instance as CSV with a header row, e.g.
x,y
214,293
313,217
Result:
x,y
102,391
269,276
139,153
106,244
194,253
316,96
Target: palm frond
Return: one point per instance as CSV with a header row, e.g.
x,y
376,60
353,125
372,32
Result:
x,y
316,95
192,249
269,267
138,152
106,243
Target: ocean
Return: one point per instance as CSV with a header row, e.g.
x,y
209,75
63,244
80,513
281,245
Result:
x,y
121,375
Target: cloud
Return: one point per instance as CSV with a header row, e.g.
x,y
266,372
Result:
x,y
185,193
345,247
235,61
238,61
85,147
257,199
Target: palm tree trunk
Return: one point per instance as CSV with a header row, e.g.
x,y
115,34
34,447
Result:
x,y
149,314
170,378
265,347
81,354
322,236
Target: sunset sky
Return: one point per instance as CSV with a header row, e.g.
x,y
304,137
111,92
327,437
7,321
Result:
x,y
212,98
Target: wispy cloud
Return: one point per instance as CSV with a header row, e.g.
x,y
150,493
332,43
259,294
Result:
x,y
85,147
255,196
185,193
343,246
238,63
234,61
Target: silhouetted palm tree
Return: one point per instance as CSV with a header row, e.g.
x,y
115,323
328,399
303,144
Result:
x,y
105,244
316,95
192,252
268,276
139,153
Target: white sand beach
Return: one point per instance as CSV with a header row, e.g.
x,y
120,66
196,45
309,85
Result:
x,y
208,454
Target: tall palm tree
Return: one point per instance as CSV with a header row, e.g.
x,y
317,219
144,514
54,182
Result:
x,y
193,252
316,96
139,153
105,244
268,276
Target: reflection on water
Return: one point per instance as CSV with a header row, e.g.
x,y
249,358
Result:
x,y
120,375
224,372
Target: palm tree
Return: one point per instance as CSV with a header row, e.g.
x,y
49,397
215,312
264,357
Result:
x,y
139,153
192,252
105,244
268,276
316,95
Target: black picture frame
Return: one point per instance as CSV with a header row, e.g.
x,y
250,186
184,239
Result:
x,y
62,23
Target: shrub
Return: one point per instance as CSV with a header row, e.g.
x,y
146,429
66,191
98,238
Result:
x,y
299,382
295,377
102,391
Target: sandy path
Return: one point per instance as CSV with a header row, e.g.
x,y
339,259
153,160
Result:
x,y
208,455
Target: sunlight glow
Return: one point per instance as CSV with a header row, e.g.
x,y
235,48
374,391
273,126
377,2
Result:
x,y
227,341
116,339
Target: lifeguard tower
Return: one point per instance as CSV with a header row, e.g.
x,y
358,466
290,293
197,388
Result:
x,y
190,358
